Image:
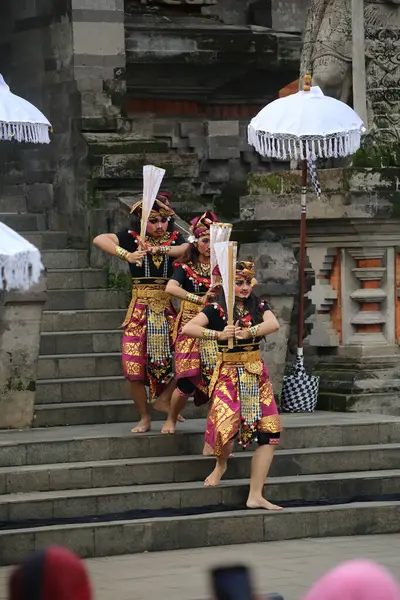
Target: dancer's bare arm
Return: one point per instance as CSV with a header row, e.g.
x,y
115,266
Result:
x,y
108,242
195,328
178,251
176,290
269,325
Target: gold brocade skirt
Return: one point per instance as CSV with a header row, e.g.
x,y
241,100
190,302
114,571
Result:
x,y
147,338
242,401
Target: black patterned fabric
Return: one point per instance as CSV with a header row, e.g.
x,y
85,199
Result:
x,y
299,390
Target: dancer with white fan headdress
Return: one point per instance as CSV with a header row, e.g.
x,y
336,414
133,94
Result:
x,y
190,283
150,247
242,399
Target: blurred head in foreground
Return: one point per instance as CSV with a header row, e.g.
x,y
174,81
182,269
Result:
x,y
355,580
51,574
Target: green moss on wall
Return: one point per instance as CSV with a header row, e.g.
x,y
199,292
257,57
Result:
x,y
377,154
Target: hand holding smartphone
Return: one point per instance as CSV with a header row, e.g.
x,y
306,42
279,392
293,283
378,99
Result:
x,y
234,583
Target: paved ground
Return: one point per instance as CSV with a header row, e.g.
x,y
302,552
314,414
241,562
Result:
x,y
287,567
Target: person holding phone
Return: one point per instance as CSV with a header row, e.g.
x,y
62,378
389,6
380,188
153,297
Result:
x,y
242,400
147,338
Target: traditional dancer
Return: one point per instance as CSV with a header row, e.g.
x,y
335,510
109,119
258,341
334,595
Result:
x,y
242,400
147,342
194,359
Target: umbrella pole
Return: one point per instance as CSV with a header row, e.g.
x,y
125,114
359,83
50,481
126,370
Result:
x,y
302,256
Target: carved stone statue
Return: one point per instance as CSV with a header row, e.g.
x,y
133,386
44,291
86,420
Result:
x,y
327,54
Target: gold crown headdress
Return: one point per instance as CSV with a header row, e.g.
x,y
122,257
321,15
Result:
x,y
245,269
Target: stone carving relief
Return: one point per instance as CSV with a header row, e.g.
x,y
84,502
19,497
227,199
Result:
x,y
327,54
323,296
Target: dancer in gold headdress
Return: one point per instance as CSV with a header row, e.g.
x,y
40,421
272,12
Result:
x,y
147,339
242,400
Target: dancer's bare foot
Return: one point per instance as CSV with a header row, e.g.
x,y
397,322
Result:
x,y
215,477
161,404
168,427
262,503
143,426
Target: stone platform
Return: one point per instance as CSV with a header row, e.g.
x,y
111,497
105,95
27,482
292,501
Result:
x,y
102,491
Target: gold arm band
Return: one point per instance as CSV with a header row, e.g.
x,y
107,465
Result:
x,y
210,334
193,298
253,331
121,253
161,250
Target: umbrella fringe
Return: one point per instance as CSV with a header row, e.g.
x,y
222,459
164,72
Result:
x,y
35,133
287,147
20,271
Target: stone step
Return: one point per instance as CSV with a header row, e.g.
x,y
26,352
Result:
x,y
79,365
82,320
23,222
84,299
80,342
124,145
372,402
12,204
61,279
96,502
180,469
380,384
114,441
81,389
121,166
195,531
47,240
99,412
84,413
65,259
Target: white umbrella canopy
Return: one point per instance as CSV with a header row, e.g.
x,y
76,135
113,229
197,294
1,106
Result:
x,y
20,120
306,125
20,261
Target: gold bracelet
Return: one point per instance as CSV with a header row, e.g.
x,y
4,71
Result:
x,y
193,298
162,250
210,334
253,331
121,253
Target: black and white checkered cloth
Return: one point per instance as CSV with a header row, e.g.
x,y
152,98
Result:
x,y
299,390
312,170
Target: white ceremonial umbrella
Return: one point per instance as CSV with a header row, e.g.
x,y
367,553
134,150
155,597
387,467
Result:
x,y
20,120
20,261
305,126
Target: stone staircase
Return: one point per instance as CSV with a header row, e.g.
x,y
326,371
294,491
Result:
x,y
80,376
80,479
102,491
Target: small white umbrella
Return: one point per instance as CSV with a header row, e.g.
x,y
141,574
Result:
x,y
305,126
20,120
20,261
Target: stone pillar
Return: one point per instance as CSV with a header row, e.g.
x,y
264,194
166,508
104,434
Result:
x,y
20,321
324,296
361,309
359,75
368,296
99,60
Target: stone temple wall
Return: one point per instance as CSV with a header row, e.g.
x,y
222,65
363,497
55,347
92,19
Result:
x,y
76,72
37,63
